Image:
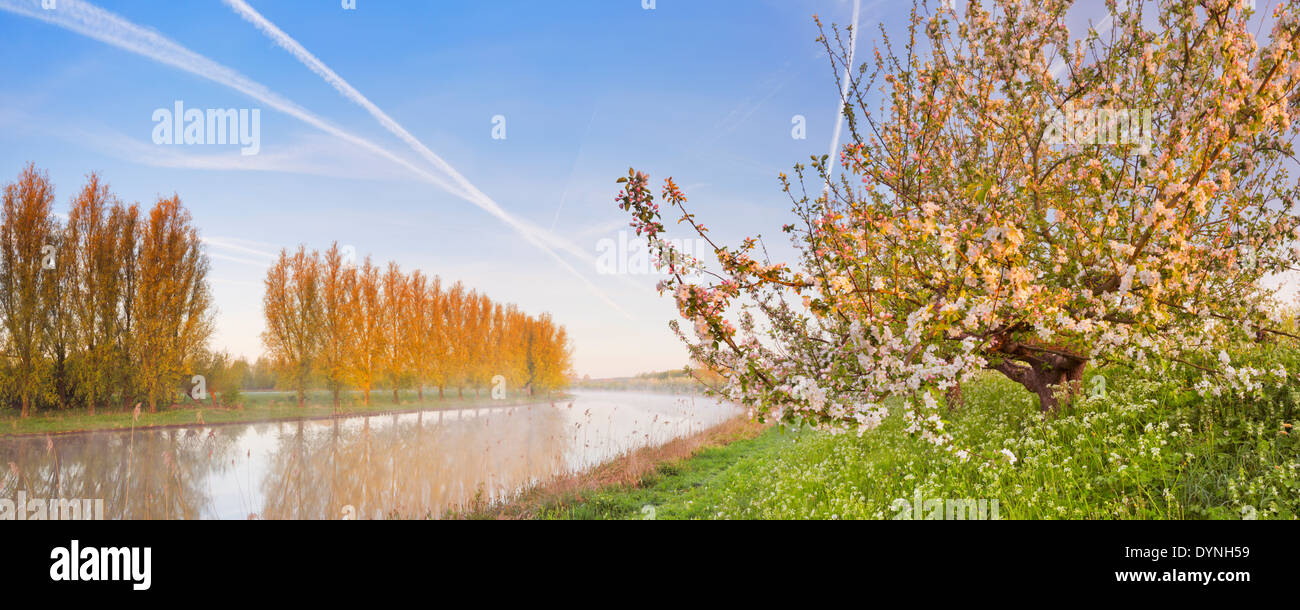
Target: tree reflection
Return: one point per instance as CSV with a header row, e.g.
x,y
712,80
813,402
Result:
x,y
411,465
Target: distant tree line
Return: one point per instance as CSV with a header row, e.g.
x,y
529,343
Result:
x,y
691,379
111,306
335,325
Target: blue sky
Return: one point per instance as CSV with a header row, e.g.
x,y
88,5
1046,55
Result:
x,y
703,90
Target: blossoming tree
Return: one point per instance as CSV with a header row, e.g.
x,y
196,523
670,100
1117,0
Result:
x,y
1013,199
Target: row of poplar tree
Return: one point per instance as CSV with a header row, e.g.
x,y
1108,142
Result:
x,y
111,306
337,325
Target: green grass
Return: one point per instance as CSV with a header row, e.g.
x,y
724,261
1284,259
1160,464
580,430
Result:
x,y
678,490
256,407
1147,450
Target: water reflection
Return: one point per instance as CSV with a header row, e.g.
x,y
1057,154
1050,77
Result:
x,y
412,464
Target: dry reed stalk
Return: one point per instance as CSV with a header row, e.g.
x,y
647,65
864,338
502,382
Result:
x,y
629,470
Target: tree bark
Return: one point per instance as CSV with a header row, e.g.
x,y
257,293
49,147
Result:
x,y
953,397
1043,376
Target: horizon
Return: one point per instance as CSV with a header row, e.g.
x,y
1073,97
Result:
x,y
474,147
574,116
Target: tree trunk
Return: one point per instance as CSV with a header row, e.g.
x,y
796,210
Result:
x,y
27,403
953,397
396,400
153,404
1044,377
336,399
440,395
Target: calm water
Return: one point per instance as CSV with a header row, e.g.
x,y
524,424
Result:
x,y
416,464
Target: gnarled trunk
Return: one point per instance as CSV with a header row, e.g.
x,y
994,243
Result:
x,y
1044,375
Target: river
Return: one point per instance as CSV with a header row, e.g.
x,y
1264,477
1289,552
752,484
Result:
x,y
416,464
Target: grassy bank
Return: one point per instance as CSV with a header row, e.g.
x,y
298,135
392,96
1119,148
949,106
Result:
x,y
622,487
255,407
1144,450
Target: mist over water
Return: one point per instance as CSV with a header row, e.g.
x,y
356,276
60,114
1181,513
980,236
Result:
x,y
409,464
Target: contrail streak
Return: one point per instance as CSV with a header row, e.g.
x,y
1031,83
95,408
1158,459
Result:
x,y
844,93
468,191
94,22
221,243
104,26
236,259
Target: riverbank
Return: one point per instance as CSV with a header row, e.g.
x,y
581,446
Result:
x,y
1141,450
257,407
620,488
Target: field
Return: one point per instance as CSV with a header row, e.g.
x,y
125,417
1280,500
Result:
x,y
1142,450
